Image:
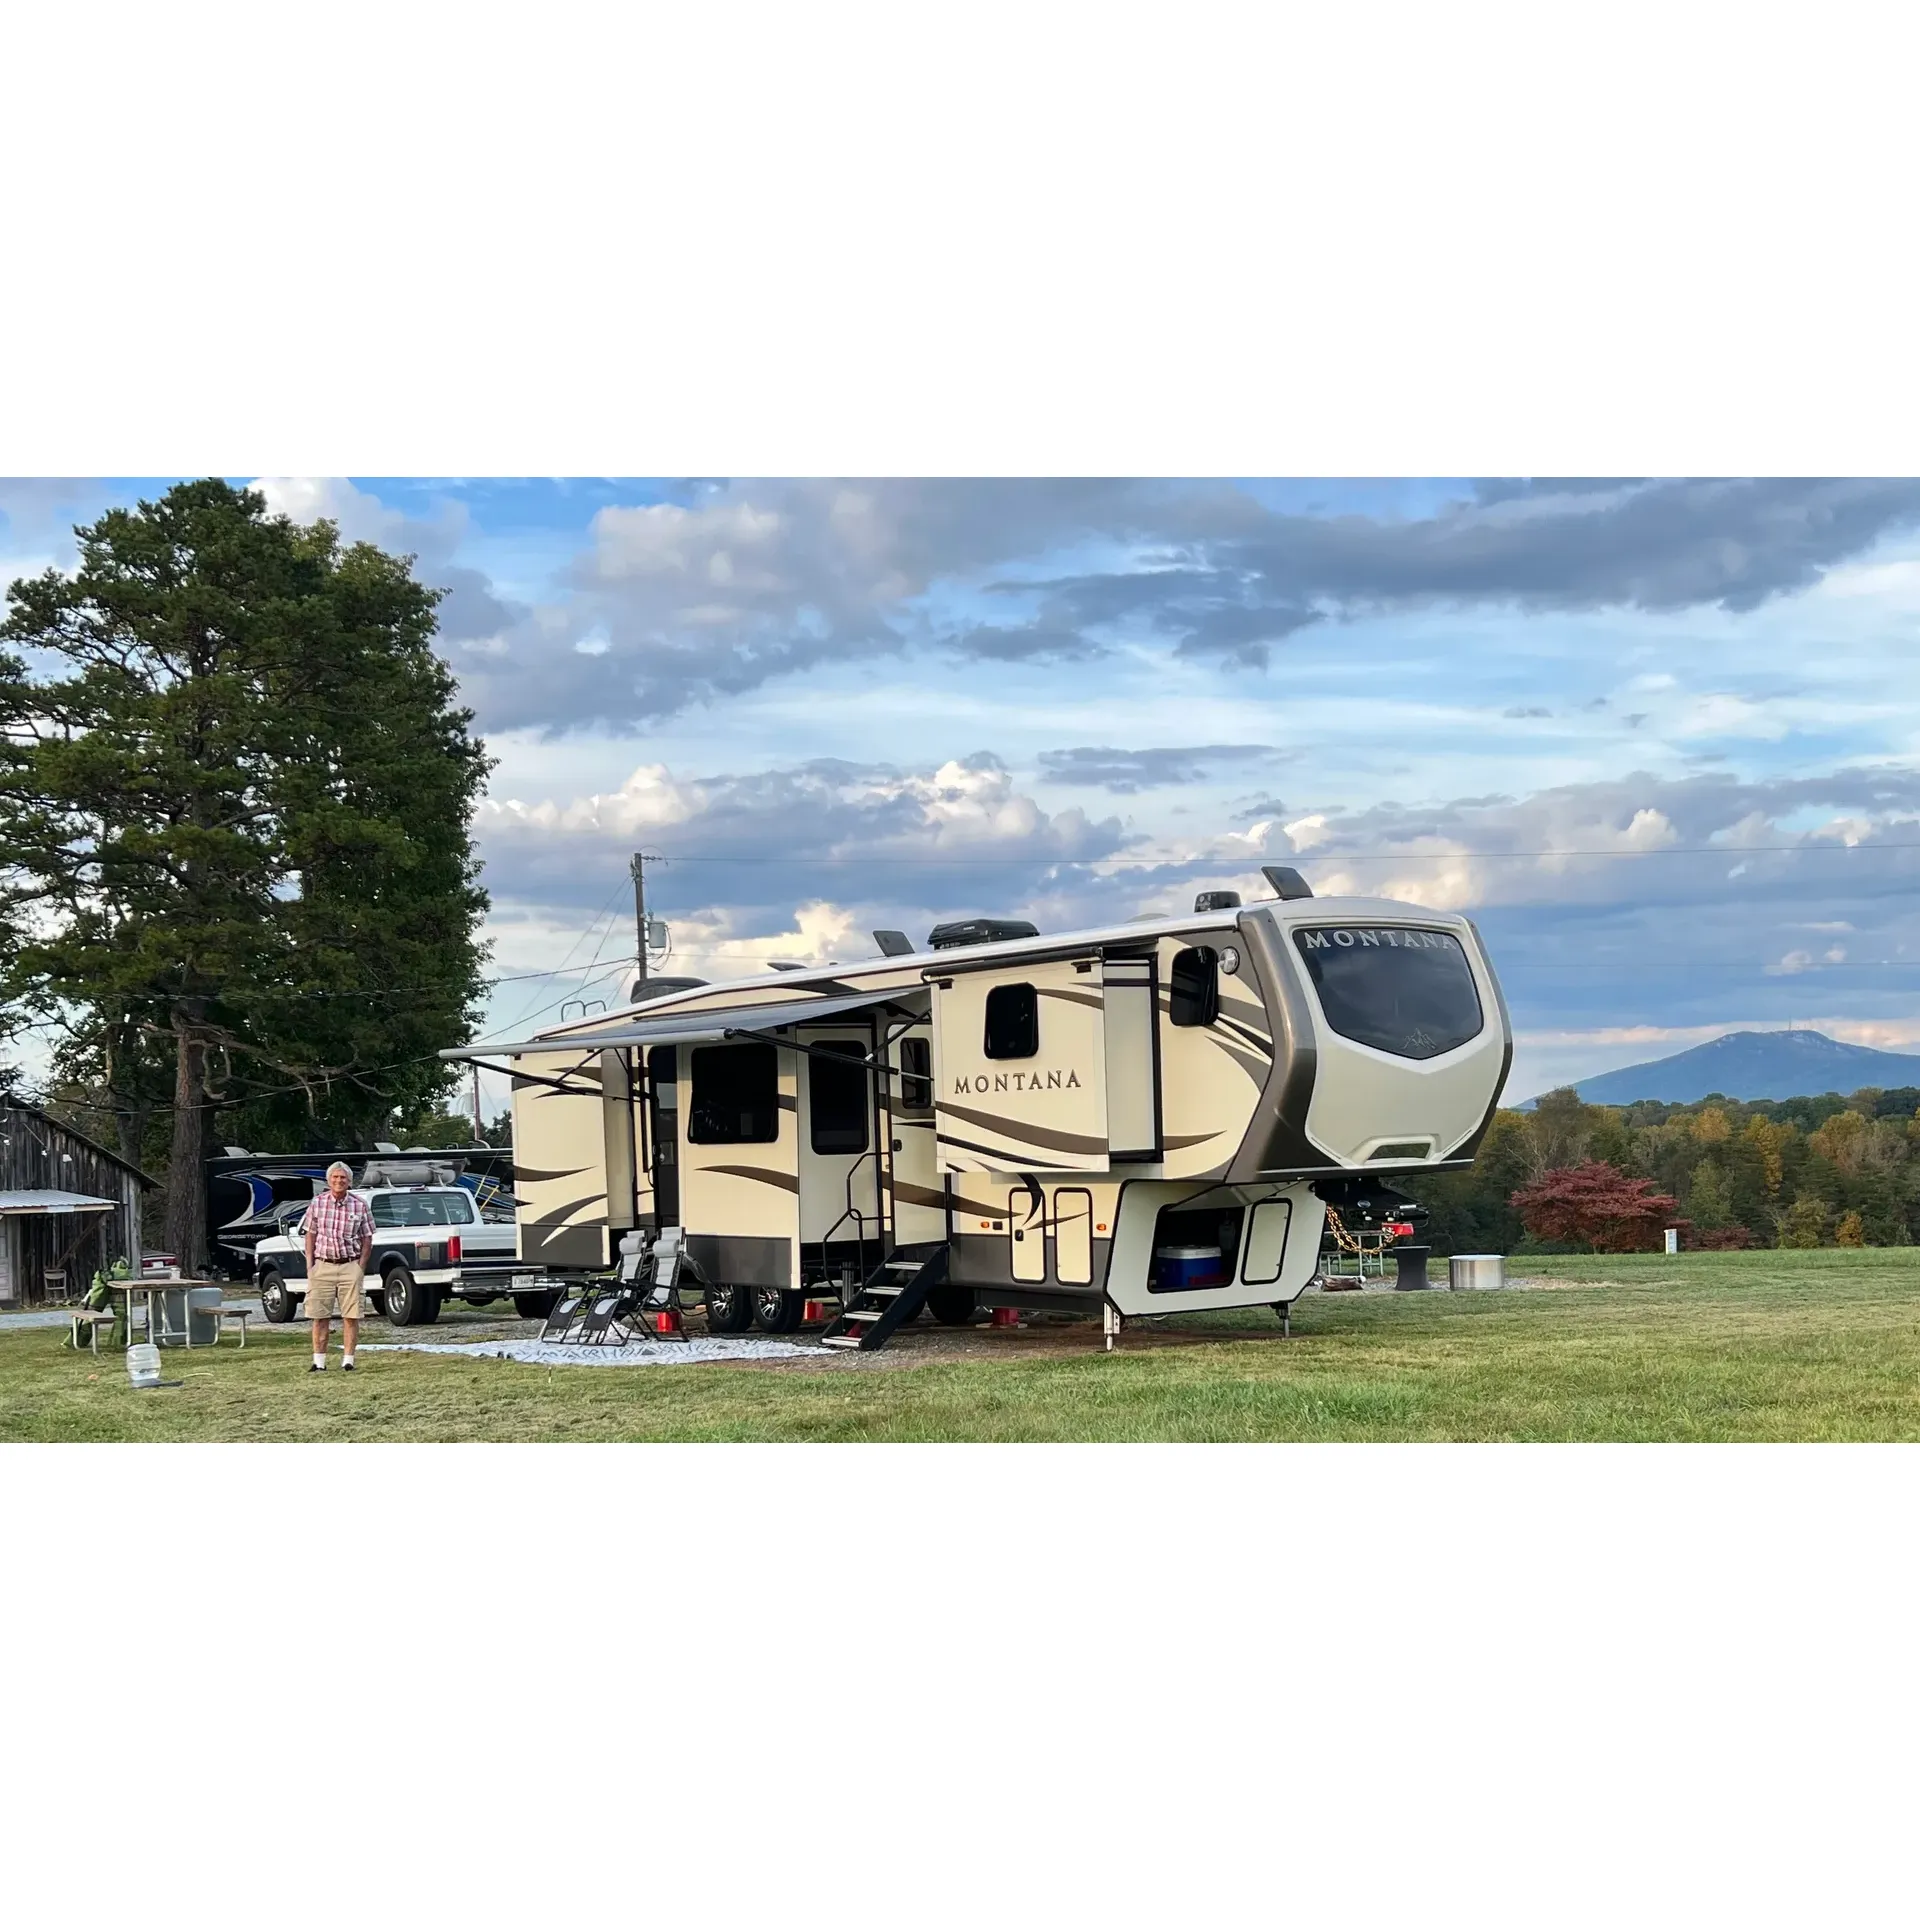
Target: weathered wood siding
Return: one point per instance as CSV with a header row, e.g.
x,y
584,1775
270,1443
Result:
x,y
36,1151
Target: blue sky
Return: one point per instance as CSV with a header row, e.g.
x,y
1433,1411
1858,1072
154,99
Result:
x,y
1660,738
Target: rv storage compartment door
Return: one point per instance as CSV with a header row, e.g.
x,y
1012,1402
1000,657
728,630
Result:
x,y
1020,1069
1133,1078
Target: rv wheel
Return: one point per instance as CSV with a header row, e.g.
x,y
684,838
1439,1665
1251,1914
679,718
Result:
x,y
729,1309
778,1309
952,1306
275,1301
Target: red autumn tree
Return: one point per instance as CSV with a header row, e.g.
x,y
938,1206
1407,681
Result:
x,y
1597,1203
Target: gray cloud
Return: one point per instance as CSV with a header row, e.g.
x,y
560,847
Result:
x,y
1135,769
1036,642
723,587
945,841
1527,713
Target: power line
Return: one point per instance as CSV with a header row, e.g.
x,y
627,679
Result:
x,y
933,857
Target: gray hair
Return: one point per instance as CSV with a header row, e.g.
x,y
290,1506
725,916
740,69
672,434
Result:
x,y
339,1166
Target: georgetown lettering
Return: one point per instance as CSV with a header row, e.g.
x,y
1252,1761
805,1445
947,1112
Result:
x,y
1312,937
1019,1082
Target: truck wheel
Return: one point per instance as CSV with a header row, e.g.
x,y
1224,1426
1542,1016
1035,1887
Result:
x,y
952,1306
778,1309
729,1309
275,1301
535,1306
404,1300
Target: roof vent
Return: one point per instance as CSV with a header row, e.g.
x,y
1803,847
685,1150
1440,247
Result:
x,y
1216,902
788,966
1287,883
891,943
974,933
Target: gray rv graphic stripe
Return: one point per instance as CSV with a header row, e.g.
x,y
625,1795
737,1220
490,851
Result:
x,y
786,1182
994,1153
1066,993
1022,1130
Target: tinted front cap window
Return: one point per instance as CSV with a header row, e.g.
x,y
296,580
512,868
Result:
x,y
1404,990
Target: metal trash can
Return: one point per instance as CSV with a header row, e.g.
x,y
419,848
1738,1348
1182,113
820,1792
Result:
x,y
1477,1272
1410,1268
191,1318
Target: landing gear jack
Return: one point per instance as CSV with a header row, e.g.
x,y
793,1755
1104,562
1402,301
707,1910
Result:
x,y
1114,1320
1284,1308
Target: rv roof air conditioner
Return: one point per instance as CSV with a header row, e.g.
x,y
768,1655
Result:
x,y
1287,883
1217,901
788,966
891,943
655,984
973,933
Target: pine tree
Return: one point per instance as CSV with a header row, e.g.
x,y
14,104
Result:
x,y
235,793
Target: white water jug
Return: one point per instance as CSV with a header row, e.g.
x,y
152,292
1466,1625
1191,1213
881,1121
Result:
x,y
143,1365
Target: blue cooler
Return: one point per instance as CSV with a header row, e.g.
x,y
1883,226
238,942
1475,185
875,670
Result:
x,y
1175,1268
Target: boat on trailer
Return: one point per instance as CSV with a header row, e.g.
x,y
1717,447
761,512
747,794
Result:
x,y
1149,1118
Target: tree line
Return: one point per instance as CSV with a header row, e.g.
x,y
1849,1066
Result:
x,y
1822,1171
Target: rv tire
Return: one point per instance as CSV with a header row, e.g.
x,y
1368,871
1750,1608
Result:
x,y
778,1309
275,1301
729,1309
952,1306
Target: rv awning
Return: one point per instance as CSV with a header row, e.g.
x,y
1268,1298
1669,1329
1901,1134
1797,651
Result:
x,y
714,1023
52,1200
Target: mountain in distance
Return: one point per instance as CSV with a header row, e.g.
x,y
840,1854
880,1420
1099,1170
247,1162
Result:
x,y
1753,1066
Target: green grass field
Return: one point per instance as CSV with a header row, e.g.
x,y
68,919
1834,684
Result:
x,y
1754,1346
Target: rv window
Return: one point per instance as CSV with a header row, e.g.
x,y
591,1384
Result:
x,y
837,1097
666,1090
736,1096
1194,1000
1013,1022
1403,990
916,1076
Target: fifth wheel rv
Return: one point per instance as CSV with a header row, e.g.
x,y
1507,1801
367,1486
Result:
x,y
1140,1119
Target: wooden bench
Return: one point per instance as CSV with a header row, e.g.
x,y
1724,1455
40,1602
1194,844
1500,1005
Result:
x,y
88,1320
238,1315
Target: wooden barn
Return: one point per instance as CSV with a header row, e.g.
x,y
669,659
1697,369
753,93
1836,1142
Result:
x,y
67,1206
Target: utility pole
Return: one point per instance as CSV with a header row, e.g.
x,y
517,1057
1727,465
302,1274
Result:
x,y
638,868
479,1132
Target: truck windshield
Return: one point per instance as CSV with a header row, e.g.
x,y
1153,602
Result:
x,y
1404,990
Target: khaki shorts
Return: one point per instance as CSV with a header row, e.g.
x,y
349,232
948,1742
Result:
x,y
333,1291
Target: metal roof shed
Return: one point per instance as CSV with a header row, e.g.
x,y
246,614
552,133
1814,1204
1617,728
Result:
x,y
65,1202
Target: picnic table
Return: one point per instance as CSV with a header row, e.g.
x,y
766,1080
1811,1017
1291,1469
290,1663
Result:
x,y
157,1286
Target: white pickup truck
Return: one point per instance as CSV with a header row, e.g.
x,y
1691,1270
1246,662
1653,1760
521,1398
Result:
x,y
430,1243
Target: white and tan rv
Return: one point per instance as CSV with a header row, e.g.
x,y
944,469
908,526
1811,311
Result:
x,y
1138,1119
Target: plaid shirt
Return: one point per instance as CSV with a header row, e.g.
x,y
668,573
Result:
x,y
339,1229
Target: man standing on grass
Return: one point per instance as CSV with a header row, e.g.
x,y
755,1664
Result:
x,y
339,1233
